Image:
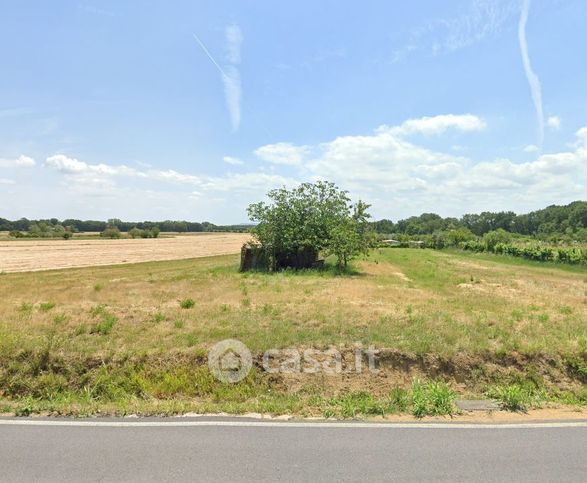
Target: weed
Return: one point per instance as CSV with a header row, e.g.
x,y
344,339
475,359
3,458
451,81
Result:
x,y
432,399
98,287
179,324
46,306
187,303
25,308
399,400
516,397
157,317
107,320
59,319
191,339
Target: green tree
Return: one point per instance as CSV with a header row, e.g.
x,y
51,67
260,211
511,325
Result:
x,y
111,232
314,216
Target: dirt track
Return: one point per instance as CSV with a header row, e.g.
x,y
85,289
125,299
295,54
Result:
x,y
25,256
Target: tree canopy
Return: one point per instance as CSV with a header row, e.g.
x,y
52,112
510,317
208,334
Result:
x,y
314,216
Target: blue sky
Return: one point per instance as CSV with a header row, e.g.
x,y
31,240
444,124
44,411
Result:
x,y
191,110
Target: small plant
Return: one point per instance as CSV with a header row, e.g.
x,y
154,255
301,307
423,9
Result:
x,y
59,319
399,400
104,327
191,340
107,320
98,287
187,303
158,317
179,324
46,306
511,397
432,399
26,308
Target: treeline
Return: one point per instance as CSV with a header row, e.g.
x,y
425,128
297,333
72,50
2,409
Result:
x,y
554,223
54,227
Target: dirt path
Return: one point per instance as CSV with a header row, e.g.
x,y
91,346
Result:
x,y
27,256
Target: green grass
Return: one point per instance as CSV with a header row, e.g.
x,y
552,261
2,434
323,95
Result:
x,y
486,325
187,303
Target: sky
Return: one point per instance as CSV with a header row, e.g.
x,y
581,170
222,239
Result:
x,y
151,110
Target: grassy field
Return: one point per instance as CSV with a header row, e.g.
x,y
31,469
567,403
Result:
x,y
134,338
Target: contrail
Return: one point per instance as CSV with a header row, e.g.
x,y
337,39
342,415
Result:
x,y
209,55
230,77
533,80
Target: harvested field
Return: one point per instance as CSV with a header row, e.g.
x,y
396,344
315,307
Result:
x,y
28,256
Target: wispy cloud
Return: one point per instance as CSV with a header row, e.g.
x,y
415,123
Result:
x,y
230,73
533,81
482,19
20,162
234,39
232,160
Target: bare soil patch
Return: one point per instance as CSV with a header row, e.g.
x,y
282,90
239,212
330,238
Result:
x,y
29,256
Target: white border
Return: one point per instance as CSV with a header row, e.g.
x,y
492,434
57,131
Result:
x,y
285,424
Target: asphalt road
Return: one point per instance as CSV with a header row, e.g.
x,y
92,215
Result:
x,y
245,451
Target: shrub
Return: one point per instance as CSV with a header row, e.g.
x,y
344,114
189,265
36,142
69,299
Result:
x,y
111,232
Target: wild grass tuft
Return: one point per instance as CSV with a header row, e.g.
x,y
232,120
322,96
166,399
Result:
x,y
187,303
432,399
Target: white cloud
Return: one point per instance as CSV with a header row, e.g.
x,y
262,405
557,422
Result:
x,y
234,40
554,122
582,135
439,124
232,160
99,178
20,162
7,181
282,153
67,165
401,177
233,94
533,81
531,148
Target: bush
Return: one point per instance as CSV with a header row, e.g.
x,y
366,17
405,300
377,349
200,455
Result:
x,y
111,232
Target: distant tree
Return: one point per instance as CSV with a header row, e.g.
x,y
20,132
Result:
x,y
493,238
111,232
458,236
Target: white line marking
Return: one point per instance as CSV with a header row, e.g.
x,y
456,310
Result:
x,y
275,424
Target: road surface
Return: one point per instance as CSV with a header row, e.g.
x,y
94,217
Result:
x,y
242,450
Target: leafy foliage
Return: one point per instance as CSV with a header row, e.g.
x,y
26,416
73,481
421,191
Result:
x,y
314,216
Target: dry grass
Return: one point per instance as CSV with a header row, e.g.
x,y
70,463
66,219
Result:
x,y
451,312
418,301
47,254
